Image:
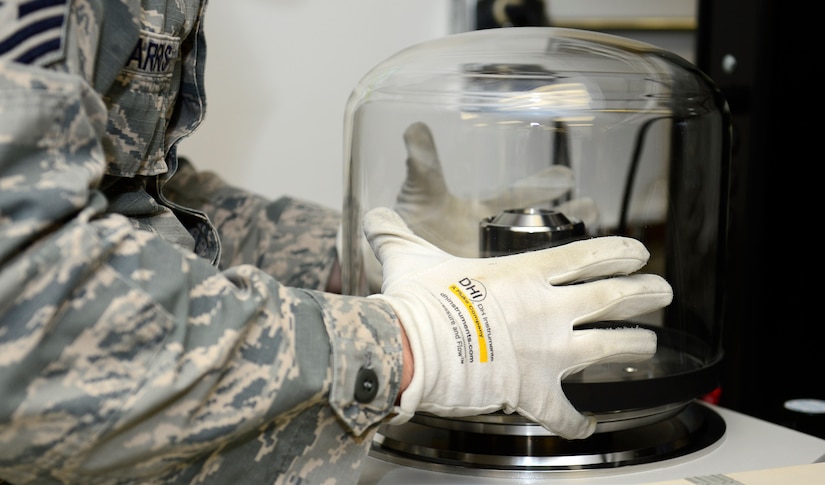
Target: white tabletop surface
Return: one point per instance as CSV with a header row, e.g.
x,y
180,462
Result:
x,y
748,444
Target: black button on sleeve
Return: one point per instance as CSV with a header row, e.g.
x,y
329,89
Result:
x,y
366,385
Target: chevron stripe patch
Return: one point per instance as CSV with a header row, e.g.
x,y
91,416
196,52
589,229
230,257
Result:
x,y
32,31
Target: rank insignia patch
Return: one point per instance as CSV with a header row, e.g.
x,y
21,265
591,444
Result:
x,y
32,31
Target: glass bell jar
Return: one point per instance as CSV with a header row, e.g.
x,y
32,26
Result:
x,y
504,140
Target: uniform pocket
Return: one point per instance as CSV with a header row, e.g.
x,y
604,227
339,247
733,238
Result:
x,y
141,103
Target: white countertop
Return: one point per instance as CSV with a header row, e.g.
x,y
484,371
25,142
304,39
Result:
x,y
748,444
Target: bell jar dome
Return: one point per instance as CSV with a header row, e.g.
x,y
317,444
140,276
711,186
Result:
x,y
502,140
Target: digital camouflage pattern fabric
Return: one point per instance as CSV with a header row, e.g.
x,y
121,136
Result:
x,y
158,326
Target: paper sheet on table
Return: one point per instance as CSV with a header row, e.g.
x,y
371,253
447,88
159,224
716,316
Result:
x,y
813,474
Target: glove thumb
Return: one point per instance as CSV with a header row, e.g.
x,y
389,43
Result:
x,y
397,248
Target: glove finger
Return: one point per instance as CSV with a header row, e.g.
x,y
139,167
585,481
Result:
x,y
399,251
555,412
558,416
620,298
586,259
612,345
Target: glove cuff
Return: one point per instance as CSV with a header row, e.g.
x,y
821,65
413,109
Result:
x,y
414,394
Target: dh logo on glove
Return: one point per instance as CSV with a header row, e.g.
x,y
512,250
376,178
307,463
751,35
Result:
x,y
470,294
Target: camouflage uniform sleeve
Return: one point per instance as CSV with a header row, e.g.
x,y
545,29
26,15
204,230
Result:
x,y
125,359
291,239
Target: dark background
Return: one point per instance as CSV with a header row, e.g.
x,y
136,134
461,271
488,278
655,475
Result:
x,y
773,326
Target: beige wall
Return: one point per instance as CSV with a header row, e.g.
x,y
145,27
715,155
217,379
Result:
x,y
278,75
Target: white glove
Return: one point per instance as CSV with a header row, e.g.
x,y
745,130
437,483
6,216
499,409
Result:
x,y
451,223
498,333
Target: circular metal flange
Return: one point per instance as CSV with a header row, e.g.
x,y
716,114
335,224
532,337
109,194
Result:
x,y
517,425
430,443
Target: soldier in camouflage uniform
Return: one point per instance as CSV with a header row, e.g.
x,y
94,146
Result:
x,y
124,357
158,329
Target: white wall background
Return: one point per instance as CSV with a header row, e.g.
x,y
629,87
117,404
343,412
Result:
x,y
278,75
279,72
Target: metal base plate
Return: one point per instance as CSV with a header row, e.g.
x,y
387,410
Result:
x,y
440,444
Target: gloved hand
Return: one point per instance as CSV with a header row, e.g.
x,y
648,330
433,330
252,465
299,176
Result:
x,y
498,333
451,223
